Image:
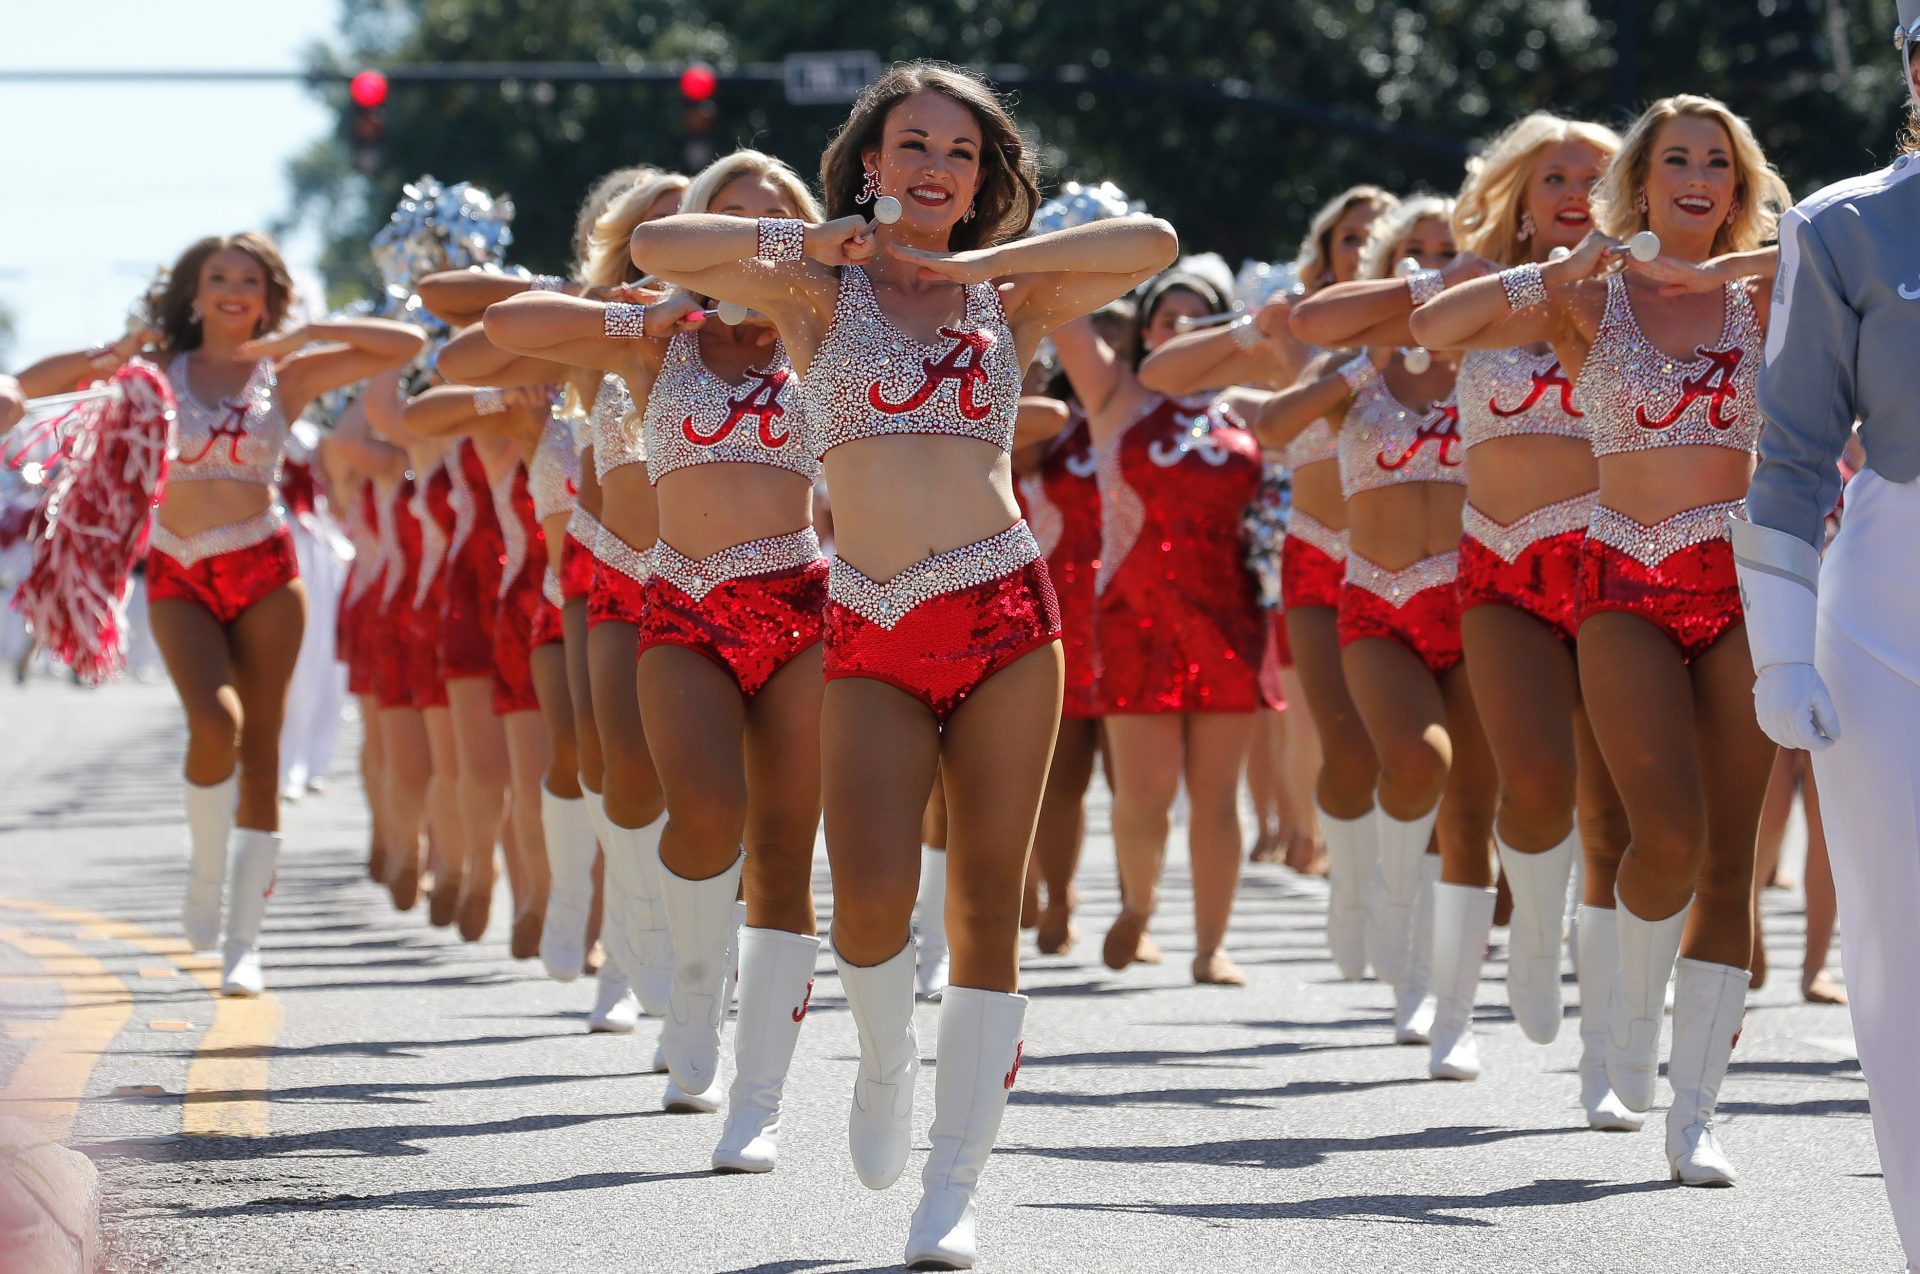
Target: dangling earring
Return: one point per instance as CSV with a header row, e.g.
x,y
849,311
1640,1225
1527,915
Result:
x,y
871,188
193,311
1640,204
968,214
1527,228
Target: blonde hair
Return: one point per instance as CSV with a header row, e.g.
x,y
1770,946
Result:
x,y
609,259
1313,265
602,193
1758,190
1391,228
711,180
1486,217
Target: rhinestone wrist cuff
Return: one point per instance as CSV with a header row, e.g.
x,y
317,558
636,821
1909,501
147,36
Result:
x,y
488,401
1424,285
780,238
1526,287
1243,333
548,283
625,321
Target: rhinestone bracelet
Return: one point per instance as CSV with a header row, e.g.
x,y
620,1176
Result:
x,y
1424,285
1358,374
488,401
780,238
625,321
548,283
1243,333
1526,287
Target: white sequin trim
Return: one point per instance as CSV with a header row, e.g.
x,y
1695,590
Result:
x,y
583,526
697,578
234,536
886,604
513,533
610,550
433,543
1311,530
550,588
1397,588
1652,545
1510,540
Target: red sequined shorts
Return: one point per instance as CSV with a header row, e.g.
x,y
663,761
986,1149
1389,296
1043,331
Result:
x,y
1416,606
576,556
466,622
547,625
429,684
1313,564
513,624
618,591
1677,574
225,570
750,608
1532,565
943,626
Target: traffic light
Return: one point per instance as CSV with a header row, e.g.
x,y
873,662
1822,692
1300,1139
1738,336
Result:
x,y
698,83
367,129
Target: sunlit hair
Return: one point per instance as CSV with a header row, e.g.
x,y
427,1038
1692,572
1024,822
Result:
x,y
169,308
1009,191
1314,264
1761,193
599,196
1387,236
609,257
1486,217
711,180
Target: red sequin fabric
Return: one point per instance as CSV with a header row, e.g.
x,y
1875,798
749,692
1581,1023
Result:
x,y
1417,607
1532,565
399,639
224,583
1313,563
473,575
750,609
1181,628
547,626
1678,574
617,594
1062,505
519,595
576,568
939,629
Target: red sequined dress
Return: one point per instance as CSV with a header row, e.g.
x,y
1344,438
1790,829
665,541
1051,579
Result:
x,y
1061,502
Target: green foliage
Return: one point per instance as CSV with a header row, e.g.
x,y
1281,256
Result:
x,y
1232,118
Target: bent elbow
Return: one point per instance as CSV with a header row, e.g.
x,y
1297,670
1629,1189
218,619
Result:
x,y
1427,329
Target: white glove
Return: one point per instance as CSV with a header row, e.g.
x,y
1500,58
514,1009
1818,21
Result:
x,y
1794,708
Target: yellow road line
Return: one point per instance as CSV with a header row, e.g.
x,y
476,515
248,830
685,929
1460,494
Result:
x,y
53,1078
226,1093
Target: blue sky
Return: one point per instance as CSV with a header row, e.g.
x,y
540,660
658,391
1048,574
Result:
x,y
104,181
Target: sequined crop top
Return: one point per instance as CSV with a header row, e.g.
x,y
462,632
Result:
x,y
694,417
869,378
615,443
1508,393
242,438
1385,444
1314,444
1637,397
554,474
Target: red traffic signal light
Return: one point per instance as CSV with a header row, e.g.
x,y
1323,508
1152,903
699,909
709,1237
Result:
x,y
368,89
698,82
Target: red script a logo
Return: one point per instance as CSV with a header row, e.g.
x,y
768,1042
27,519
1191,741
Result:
x,y
1441,427
1714,381
762,399
960,361
1552,378
229,426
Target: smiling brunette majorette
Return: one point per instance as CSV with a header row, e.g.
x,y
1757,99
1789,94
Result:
x,y
941,626
1664,357
226,604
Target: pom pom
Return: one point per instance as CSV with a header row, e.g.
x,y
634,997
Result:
x,y
1261,281
1263,528
1079,205
435,228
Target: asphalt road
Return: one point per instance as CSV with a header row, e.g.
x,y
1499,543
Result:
x,y
405,1102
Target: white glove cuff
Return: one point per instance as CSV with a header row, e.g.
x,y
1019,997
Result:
x,y
1779,576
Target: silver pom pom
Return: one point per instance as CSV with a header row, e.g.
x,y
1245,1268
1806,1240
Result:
x,y
1263,528
1079,205
1261,281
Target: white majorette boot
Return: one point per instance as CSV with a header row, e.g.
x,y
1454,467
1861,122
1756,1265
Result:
x,y
880,1126
209,825
633,883
776,986
1353,848
1462,915
256,861
1390,913
570,843
615,1011
1708,1003
1647,951
1599,960
930,922
1413,1003
1576,895
979,1058
1539,884
700,916
676,1100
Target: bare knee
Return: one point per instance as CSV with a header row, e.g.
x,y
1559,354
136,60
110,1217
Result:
x,y
1537,797
709,817
1412,774
1348,775
213,727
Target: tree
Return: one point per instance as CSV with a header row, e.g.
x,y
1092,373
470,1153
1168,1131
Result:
x,y
1232,119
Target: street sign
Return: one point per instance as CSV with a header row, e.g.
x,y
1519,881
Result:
x,y
815,79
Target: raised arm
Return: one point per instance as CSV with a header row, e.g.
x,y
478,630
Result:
x,y
1093,367
1040,420
455,411
1258,349
473,358
1520,306
325,356
460,297
1322,391
761,263
61,373
581,332
13,403
1375,311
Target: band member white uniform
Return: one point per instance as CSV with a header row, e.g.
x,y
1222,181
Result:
x,y
1839,663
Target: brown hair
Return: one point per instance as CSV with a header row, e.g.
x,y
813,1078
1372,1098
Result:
x,y
170,305
1009,192
1761,192
1314,265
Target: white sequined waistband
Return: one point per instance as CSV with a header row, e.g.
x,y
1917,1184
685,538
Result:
x,y
1511,539
1397,588
1652,545
886,604
583,526
188,549
697,578
610,550
550,588
1311,530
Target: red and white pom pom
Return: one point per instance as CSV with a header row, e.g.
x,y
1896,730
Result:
x,y
92,526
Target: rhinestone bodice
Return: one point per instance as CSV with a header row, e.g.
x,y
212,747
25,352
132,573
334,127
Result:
x,y
1508,393
869,378
695,417
1637,397
617,441
554,474
242,438
1384,443
887,602
1313,445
